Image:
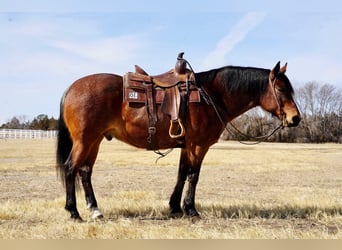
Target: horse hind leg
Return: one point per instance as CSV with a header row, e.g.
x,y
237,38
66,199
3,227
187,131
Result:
x,y
80,162
70,176
85,173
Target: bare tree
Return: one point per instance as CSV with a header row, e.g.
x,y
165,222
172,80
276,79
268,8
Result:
x,y
321,111
320,105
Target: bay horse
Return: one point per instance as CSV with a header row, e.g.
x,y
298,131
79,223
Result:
x,y
92,108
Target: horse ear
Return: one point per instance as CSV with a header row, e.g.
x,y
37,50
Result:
x,y
275,71
283,69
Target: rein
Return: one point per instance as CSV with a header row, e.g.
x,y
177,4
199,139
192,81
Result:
x,y
258,139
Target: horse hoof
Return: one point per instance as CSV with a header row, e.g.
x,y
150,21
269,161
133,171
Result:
x,y
97,214
77,219
176,212
195,219
176,215
192,213
97,217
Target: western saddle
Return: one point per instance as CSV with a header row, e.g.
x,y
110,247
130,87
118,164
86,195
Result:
x,y
172,90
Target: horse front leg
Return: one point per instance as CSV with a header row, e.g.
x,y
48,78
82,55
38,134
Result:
x,y
176,196
189,199
189,167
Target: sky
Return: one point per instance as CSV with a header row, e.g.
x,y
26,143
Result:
x,y
47,45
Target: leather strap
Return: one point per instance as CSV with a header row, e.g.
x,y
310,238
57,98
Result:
x,y
152,118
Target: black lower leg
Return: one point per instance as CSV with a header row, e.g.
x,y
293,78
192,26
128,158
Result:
x,y
70,205
85,173
176,196
189,200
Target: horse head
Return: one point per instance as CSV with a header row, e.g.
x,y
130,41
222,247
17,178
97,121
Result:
x,y
278,98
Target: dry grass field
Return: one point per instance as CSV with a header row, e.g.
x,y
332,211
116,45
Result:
x,y
264,191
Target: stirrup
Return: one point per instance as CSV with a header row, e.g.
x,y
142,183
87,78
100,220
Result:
x,y
180,124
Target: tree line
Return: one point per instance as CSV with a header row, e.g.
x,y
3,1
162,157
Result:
x,y
320,106
40,122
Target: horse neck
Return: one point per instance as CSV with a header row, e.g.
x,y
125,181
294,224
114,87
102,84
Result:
x,y
236,89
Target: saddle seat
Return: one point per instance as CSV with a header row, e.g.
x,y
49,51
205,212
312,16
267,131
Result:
x,y
166,80
172,90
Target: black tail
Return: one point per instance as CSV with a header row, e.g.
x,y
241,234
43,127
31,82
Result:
x,y
64,145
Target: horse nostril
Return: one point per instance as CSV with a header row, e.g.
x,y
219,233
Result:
x,y
295,120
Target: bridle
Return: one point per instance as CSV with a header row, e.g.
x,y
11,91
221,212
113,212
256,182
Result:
x,y
282,113
258,139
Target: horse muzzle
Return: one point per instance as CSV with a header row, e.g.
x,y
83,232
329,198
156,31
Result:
x,y
291,121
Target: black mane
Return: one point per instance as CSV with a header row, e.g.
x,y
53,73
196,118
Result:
x,y
238,79
242,79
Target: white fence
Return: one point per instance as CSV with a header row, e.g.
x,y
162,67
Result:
x,y
26,134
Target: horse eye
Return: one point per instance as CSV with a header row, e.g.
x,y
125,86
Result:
x,y
282,90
